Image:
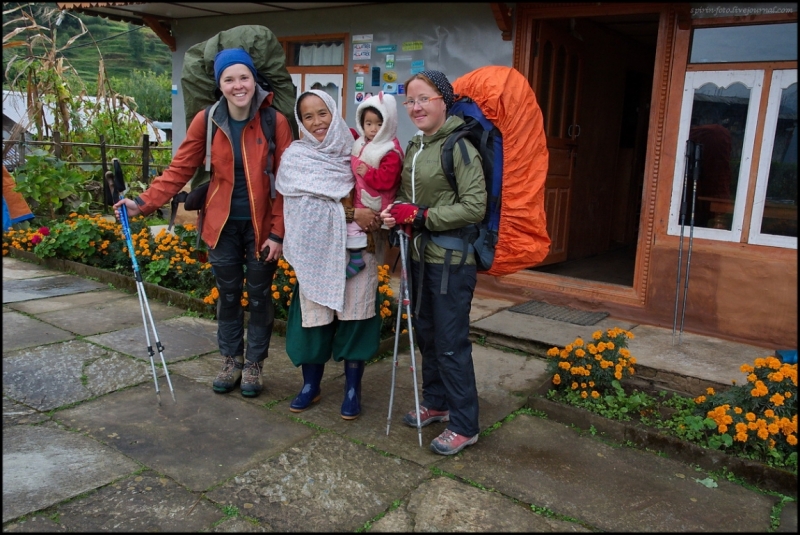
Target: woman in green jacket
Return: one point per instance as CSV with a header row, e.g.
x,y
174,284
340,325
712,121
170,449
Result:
x,y
442,285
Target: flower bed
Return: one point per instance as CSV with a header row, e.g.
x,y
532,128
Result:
x,y
749,428
176,262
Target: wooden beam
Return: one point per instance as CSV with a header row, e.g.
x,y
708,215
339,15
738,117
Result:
x,y
502,15
163,32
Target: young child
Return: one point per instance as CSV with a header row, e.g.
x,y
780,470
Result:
x,y
377,161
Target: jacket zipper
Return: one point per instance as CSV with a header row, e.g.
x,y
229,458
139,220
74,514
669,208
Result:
x,y
414,242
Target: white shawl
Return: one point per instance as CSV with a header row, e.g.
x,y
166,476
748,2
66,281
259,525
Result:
x,y
313,177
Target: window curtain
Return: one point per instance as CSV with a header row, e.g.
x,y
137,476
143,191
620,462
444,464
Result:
x,y
321,54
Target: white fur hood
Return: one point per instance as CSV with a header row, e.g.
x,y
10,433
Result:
x,y
374,151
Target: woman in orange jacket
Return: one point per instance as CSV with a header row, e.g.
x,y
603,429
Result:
x,y
242,222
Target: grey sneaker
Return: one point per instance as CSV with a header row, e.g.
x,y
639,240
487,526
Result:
x,y
252,385
230,375
450,443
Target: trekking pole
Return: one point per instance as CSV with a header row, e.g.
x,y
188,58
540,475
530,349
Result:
x,y
687,169
406,302
116,184
396,347
698,151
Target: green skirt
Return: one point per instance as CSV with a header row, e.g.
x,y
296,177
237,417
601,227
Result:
x,y
342,340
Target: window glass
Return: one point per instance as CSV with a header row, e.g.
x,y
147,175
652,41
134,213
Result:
x,y
780,206
719,117
764,42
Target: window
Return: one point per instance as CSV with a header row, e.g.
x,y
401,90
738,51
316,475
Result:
x,y
746,189
774,219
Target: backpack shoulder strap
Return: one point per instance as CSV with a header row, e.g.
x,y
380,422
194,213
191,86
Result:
x,y
210,131
448,164
268,119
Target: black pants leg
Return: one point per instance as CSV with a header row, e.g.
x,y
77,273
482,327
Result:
x,y
232,260
442,332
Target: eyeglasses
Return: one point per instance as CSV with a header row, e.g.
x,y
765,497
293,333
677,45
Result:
x,y
422,101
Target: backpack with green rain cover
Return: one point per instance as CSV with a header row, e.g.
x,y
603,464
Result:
x,y
200,91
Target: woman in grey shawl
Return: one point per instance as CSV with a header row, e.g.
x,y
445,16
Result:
x,y
330,316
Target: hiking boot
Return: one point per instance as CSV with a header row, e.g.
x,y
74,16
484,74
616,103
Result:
x,y
450,443
252,385
230,375
428,416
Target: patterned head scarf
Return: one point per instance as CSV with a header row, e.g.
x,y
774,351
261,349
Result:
x,y
443,85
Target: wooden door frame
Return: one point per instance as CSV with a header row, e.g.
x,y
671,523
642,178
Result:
x,y
655,165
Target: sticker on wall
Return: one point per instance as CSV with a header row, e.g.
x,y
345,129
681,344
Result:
x,y
390,61
390,76
403,57
174,89
376,76
360,68
408,46
390,89
401,89
417,66
359,83
363,38
385,49
362,51
359,97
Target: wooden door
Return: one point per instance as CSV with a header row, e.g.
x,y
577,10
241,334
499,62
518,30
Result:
x,y
556,71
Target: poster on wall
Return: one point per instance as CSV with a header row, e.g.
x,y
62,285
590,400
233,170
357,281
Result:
x,y
386,49
417,66
359,83
390,61
362,51
408,46
390,89
359,97
360,68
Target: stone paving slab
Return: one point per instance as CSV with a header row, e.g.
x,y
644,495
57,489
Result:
x,y
15,269
325,483
142,503
51,376
182,337
21,331
65,302
608,488
41,287
43,466
504,382
693,355
542,330
35,524
18,414
121,312
200,441
444,505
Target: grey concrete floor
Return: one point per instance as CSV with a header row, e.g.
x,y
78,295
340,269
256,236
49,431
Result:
x,y
88,447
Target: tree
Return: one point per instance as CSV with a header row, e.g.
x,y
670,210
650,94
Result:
x,y
151,92
136,40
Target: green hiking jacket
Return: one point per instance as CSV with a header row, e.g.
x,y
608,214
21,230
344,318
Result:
x,y
422,166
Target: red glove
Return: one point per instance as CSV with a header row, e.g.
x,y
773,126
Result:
x,y
405,213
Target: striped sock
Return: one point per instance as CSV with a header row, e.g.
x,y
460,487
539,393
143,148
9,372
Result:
x,y
356,263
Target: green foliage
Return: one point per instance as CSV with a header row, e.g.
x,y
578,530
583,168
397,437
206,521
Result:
x,y
50,185
151,92
70,240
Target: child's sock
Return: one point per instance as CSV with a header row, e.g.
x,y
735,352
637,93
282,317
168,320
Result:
x,y
356,263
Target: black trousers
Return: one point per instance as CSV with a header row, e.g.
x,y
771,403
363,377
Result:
x,y
442,333
233,260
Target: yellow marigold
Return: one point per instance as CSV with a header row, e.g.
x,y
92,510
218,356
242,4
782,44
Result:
x,y
792,440
776,377
595,394
276,295
610,345
773,363
699,399
584,394
601,346
568,348
624,352
762,434
710,391
597,335
737,410
553,351
752,378
556,379
750,417
574,385
741,437
760,363
618,375
776,399
286,288
564,354
583,385
564,365
292,280
580,353
769,413
746,368
741,427
722,428
787,394
592,349
578,342
631,371
773,429
591,384
752,426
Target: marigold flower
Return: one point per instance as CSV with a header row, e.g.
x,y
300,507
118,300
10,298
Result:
x,y
276,295
722,429
750,417
762,434
584,394
741,437
792,440
769,413
574,386
699,399
710,391
580,353
776,399
556,379
597,335
553,351
737,410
